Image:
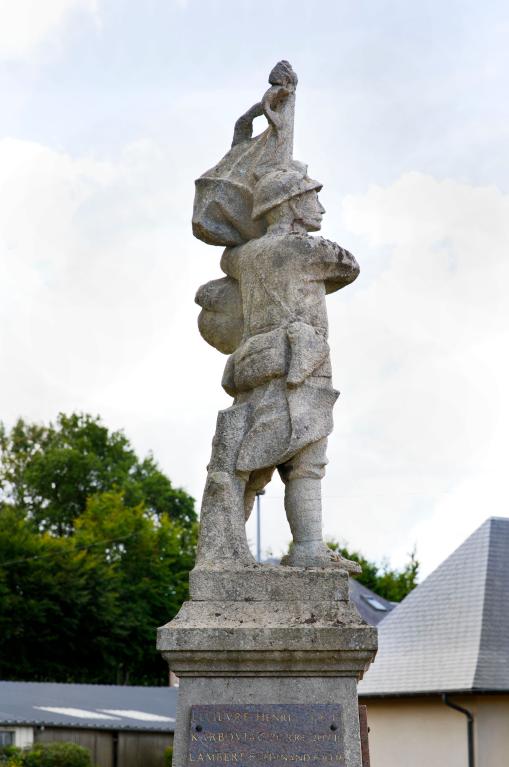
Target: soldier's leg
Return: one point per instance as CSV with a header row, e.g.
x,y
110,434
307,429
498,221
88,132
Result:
x,y
302,476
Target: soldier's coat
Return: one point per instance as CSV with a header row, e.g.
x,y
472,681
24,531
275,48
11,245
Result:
x,y
282,365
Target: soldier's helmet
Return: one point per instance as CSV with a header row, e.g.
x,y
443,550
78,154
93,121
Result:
x,y
280,185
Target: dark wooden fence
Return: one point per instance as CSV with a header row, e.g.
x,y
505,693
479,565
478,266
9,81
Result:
x,y
113,748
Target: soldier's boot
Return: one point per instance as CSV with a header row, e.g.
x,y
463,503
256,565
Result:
x,y
303,506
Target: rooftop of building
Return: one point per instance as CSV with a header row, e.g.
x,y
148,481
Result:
x,y
450,634
96,706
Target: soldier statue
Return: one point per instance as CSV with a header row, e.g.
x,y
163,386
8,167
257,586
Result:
x,y
269,315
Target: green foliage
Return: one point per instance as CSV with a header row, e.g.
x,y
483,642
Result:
x,y
46,755
10,756
168,756
83,591
391,584
50,472
57,755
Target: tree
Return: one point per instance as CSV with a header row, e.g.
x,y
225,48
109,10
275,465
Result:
x,y
86,577
148,563
49,594
392,584
49,472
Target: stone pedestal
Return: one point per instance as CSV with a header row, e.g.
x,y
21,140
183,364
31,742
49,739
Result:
x,y
259,634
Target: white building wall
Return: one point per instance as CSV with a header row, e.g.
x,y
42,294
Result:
x,y
416,732
492,731
424,732
23,736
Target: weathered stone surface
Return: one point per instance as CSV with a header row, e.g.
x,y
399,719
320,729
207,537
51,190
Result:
x,y
272,651
222,524
264,583
270,635
242,627
269,314
257,689
222,329
223,205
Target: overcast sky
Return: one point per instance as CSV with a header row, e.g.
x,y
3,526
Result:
x,y
111,109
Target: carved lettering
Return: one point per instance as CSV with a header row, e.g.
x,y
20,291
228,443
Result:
x,y
274,735
272,717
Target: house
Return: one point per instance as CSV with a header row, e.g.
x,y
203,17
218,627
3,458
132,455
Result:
x,y
438,691
121,726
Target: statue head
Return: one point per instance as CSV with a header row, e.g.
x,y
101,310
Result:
x,y
307,210
288,195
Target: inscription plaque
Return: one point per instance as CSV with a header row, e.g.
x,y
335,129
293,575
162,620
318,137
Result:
x,y
265,735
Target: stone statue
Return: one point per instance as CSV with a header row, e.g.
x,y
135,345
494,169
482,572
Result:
x,y
262,643
269,315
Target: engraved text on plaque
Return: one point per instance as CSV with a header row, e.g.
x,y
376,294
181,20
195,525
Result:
x,y
264,735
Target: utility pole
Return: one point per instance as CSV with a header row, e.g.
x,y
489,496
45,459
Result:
x,y
258,526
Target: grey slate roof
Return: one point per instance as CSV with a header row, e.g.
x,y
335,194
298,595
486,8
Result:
x,y
372,607
451,633
95,706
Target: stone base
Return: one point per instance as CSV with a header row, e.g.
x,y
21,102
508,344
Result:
x,y
268,635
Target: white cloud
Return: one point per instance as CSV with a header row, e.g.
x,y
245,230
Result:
x,y
427,364
99,271
26,23
96,298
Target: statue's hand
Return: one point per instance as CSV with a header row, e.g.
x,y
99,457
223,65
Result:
x,y
283,74
272,101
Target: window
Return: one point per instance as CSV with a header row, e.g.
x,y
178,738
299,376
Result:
x,y
375,604
6,738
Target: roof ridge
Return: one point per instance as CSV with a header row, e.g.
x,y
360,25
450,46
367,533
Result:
x,y
492,667
489,524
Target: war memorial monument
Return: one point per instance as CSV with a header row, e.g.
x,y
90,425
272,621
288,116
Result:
x,y
268,656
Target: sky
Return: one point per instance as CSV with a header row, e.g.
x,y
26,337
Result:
x,y
111,109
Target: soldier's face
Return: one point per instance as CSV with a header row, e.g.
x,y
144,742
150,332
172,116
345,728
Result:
x,y
310,211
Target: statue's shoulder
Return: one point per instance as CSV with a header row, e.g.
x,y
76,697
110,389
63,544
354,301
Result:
x,y
273,245
308,241
253,248
289,240
308,244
